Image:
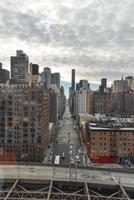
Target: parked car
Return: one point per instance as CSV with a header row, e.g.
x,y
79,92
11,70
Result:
x,y
71,162
79,151
71,152
63,155
78,159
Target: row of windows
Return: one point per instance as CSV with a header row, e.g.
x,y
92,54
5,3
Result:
x,y
112,144
112,139
112,133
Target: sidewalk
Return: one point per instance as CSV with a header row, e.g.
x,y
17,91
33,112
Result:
x,y
87,160
48,154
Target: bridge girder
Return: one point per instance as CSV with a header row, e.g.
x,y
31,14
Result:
x,y
18,190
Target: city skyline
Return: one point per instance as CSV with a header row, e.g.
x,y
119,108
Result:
x,y
94,37
19,52
67,99
67,85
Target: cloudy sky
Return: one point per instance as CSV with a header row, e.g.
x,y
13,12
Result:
x,y
96,37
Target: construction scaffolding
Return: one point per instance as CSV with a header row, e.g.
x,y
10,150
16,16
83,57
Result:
x,y
61,190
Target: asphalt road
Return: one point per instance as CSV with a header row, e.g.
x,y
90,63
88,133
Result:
x,y
60,173
67,142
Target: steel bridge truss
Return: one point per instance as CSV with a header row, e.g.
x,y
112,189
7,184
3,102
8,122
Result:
x,y
61,190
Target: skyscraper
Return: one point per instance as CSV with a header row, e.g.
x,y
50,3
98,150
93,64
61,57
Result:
x,y
103,86
55,79
73,79
34,69
130,80
77,86
34,74
19,67
84,84
120,86
104,82
46,77
4,74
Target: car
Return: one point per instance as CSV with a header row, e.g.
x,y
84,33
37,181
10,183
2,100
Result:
x,y
78,159
71,152
50,158
79,151
63,155
71,162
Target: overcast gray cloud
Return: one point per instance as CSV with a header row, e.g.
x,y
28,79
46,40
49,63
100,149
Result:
x,y
94,36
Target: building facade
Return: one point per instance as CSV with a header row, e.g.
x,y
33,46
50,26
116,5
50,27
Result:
x,y
24,122
4,74
109,143
122,104
102,103
84,84
120,86
90,102
34,76
46,77
55,79
19,67
130,81
53,106
73,79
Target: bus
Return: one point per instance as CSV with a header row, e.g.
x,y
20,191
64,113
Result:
x,y
57,160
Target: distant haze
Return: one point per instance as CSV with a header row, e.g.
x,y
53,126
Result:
x,y
66,85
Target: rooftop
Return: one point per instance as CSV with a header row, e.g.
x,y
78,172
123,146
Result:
x,y
112,124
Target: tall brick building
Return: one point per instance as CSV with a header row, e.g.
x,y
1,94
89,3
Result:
x,y
122,104
109,142
24,122
102,103
117,104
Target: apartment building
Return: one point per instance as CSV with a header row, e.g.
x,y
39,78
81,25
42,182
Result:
x,y
109,142
24,122
122,104
102,103
120,86
89,102
19,67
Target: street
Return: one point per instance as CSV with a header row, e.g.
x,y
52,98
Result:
x,y
67,145
30,172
